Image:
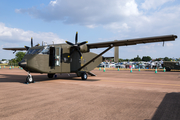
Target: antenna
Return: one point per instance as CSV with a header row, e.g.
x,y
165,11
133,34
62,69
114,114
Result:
x,y
53,44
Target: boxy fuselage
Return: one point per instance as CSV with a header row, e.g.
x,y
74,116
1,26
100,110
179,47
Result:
x,y
53,59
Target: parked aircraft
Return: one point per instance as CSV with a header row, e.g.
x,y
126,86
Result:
x,y
73,57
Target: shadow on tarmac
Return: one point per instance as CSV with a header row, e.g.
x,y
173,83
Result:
x,y
39,78
169,109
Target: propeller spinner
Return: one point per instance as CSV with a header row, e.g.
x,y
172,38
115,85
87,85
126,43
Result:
x,y
76,46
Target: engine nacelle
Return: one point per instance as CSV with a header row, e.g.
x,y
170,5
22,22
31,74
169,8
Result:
x,y
84,48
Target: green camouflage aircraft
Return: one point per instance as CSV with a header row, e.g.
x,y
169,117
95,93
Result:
x,y
72,58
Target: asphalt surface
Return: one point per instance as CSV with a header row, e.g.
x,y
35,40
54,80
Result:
x,y
111,95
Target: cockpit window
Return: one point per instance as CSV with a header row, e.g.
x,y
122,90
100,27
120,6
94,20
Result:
x,y
33,51
45,50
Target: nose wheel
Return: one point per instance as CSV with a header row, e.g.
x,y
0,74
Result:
x,y
29,79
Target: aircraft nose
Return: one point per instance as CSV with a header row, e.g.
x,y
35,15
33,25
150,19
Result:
x,y
22,64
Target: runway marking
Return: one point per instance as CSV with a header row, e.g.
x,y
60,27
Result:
x,y
143,83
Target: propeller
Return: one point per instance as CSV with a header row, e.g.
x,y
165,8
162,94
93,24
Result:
x,y
27,47
31,42
76,46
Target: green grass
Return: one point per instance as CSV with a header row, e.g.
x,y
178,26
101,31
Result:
x,y
4,64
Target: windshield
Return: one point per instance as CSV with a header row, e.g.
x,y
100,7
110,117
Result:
x,y
33,51
45,50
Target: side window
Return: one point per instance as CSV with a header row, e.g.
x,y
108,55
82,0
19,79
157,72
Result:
x,y
58,56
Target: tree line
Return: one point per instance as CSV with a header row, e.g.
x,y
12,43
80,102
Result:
x,y
19,56
145,58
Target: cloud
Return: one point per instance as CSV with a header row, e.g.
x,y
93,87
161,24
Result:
x,y
90,13
118,16
14,35
53,3
153,4
124,18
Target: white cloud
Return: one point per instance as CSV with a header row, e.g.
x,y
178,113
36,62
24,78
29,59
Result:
x,y
153,4
53,3
8,34
119,16
89,13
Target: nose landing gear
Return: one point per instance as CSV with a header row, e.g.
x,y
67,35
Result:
x,y
29,78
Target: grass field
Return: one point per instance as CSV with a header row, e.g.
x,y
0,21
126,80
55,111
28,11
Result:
x,y
3,64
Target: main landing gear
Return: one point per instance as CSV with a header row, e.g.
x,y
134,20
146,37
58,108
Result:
x,y
82,74
29,79
50,75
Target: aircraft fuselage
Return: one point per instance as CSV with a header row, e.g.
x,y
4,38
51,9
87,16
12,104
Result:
x,y
54,59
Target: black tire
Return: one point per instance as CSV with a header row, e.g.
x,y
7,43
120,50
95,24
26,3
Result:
x,y
29,79
84,76
168,69
50,75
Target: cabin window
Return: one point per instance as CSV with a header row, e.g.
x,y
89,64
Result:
x,y
58,56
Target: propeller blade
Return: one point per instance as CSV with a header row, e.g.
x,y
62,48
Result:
x,y
82,43
37,44
76,38
69,43
31,42
71,53
79,52
27,48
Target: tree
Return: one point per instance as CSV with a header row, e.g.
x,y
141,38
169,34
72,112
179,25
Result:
x,y
12,61
137,58
3,60
158,59
146,58
167,59
125,60
120,60
19,56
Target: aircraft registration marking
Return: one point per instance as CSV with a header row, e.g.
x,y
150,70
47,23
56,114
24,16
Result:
x,y
143,83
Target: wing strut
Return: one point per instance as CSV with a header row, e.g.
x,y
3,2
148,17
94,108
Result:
x,y
96,57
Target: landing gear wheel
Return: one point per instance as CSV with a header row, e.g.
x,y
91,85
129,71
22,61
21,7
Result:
x,y
84,76
29,79
168,69
50,75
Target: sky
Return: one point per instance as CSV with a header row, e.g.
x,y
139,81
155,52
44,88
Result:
x,y
95,21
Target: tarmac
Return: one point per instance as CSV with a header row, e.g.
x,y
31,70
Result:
x,y
110,95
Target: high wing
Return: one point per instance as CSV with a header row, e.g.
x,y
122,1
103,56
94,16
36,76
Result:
x,y
14,49
133,41
22,48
